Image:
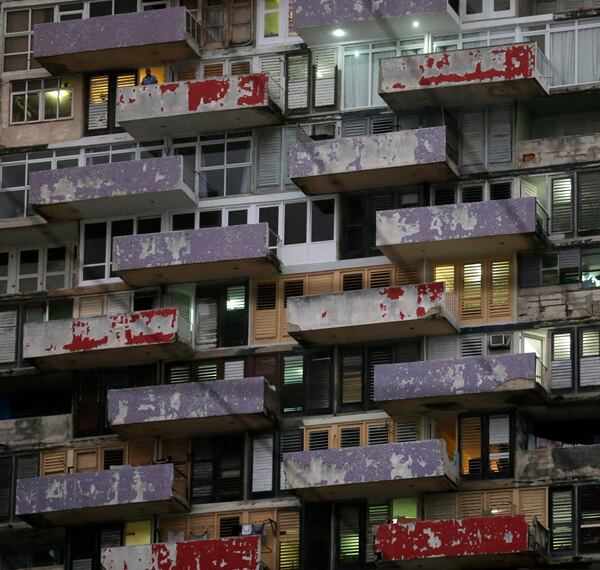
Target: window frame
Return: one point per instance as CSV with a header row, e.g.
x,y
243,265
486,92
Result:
x,y
42,100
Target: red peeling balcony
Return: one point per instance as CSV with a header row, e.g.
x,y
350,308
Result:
x,y
474,542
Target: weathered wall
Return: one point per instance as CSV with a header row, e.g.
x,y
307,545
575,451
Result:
x,y
456,537
106,180
187,401
457,376
558,302
99,333
456,221
94,489
36,431
368,464
230,243
559,464
353,154
237,553
540,153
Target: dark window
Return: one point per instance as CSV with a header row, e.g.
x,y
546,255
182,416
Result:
x,y
319,383
562,529
589,519
211,219
323,216
295,223
183,221
270,215
549,268
316,536
237,217
149,226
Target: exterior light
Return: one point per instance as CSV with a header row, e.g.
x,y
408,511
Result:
x,y
339,33
415,24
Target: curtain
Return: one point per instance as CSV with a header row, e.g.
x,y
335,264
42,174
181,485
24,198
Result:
x,y
356,80
588,61
562,56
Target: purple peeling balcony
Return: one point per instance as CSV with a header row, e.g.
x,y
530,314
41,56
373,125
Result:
x,y
391,469
194,408
195,255
373,161
121,339
315,20
497,227
97,191
370,315
131,40
472,383
203,106
101,495
486,75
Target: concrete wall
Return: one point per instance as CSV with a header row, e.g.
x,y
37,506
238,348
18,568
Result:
x,y
40,133
36,431
456,376
558,303
542,153
472,536
558,464
463,67
99,333
109,32
369,464
185,247
187,401
456,221
126,485
353,154
237,553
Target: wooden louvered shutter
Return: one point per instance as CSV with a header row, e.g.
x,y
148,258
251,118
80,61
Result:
x,y
407,275
562,523
268,551
27,466
268,177
8,335
375,356
319,383
561,364
98,102
240,16
378,432
202,478
352,377
349,435
448,274
378,278
290,440
470,504
440,507
529,269
122,80
499,305
262,463
500,502
470,446
288,528
118,303
532,504
110,537
472,292
272,64
297,82
407,430
351,280
588,202
178,450
86,460
473,139
54,462
201,526
141,452
325,77
91,306
500,137
6,466
319,283
265,322
561,215
89,410
172,527
589,357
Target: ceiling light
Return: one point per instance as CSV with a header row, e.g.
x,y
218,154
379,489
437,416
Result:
x,y
339,33
415,24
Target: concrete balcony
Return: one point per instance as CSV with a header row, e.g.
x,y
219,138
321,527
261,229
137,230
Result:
x,y
187,256
235,553
567,150
559,464
136,39
370,315
196,408
314,20
469,383
98,191
392,469
495,228
372,161
126,492
36,431
108,340
474,542
486,75
197,107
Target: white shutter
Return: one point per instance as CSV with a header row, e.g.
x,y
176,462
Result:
x,y
355,127
562,363
472,345
561,216
268,178
262,463
91,306
499,143
589,201
233,370
181,299
589,358
297,82
98,102
206,328
8,335
441,347
438,507
273,65
118,303
383,124
325,77
473,138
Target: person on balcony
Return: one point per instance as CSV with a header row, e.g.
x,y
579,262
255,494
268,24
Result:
x,y
149,79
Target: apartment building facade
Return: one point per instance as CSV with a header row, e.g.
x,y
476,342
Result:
x,y
304,285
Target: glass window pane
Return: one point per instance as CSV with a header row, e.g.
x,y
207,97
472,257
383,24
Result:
x,y
56,259
183,221
13,176
470,445
210,219
238,151
12,204
18,108
271,25
33,107
17,21
103,8
474,6
50,104
149,226
212,183
237,217
270,215
28,262
213,155
238,180
590,269
295,223
356,80
94,243
323,214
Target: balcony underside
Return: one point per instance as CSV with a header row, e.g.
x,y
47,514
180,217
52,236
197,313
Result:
x,y
123,356
470,562
200,272
437,325
193,123
126,57
455,249
486,93
376,178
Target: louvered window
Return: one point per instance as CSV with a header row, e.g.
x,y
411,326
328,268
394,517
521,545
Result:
x,y
562,205
588,203
561,366
376,356
178,373
500,298
406,431
352,281
288,523
589,357
206,371
562,528
441,347
297,82
376,515
473,139
378,433
349,535
8,335
472,193
318,439
319,384
293,288
293,384
499,456
352,378
446,273
101,98
325,77
444,195
6,467
589,518
439,507
229,526
472,291
233,370
113,457
273,65
290,441
350,436
266,296
472,345
262,463
269,159
470,446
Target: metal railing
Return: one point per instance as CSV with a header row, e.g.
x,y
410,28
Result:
x,y
192,27
542,219
541,374
543,69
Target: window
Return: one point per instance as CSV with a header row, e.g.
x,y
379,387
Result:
x,y
18,37
37,100
227,23
110,7
11,469
101,99
484,9
486,445
272,20
563,267
562,528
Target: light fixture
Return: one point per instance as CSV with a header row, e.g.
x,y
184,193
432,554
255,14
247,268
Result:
x,y
339,33
415,24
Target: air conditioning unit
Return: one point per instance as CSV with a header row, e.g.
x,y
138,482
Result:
x,y
499,341
323,131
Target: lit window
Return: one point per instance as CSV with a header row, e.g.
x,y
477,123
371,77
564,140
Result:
x,y
37,100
